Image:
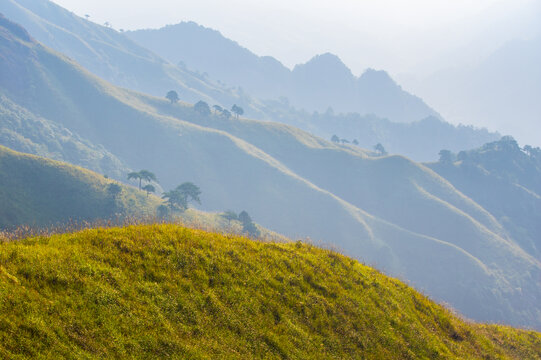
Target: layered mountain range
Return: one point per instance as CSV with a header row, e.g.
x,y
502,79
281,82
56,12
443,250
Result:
x,y
385,210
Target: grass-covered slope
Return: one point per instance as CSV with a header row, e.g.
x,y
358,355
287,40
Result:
x,y
172,292
37,191
23,131
389,211
110,54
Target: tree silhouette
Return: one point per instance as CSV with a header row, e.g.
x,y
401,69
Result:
x,y
217,109
175,200
202,108
335,139
149,189
172,96
229,216
380,149
189,191
162,211
446,156
148,176
226,114
237,110
142,175
113,190
344,141
248,225
251,229
244,218
137,176
355,142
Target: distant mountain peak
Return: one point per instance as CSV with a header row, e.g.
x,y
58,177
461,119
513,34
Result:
x,y
377,76
327,63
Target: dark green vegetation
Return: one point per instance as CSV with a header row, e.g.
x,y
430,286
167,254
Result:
x,y
171,292
505,180
387,210
40,192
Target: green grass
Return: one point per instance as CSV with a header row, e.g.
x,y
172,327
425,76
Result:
x,y
40,192
165,291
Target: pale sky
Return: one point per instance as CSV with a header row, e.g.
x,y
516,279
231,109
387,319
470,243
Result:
x,y
407,38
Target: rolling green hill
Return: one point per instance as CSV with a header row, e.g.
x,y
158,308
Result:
x,y
37,191
389,211
171,292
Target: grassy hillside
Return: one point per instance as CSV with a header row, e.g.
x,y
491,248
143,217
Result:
x,y
389,211
111,55
23,131
506,180
172,292
36,191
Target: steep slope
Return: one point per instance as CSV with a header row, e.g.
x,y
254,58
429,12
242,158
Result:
x,y
111,55
322,82
388,211
506,181
114,57
22,131
39,192
167,291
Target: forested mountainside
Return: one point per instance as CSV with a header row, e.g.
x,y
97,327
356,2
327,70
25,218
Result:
x,y
506,180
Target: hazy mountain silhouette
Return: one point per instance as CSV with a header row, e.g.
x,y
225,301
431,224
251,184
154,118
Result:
x,y
322,82
116,58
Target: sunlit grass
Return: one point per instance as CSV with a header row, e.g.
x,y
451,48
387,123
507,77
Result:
x,y
160,291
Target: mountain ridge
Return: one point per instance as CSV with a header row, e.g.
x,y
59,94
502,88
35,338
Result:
x,y
272,82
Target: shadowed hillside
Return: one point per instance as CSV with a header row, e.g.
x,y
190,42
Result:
x,y
113,56
21,130
172,292
389,211
39,192
504,179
